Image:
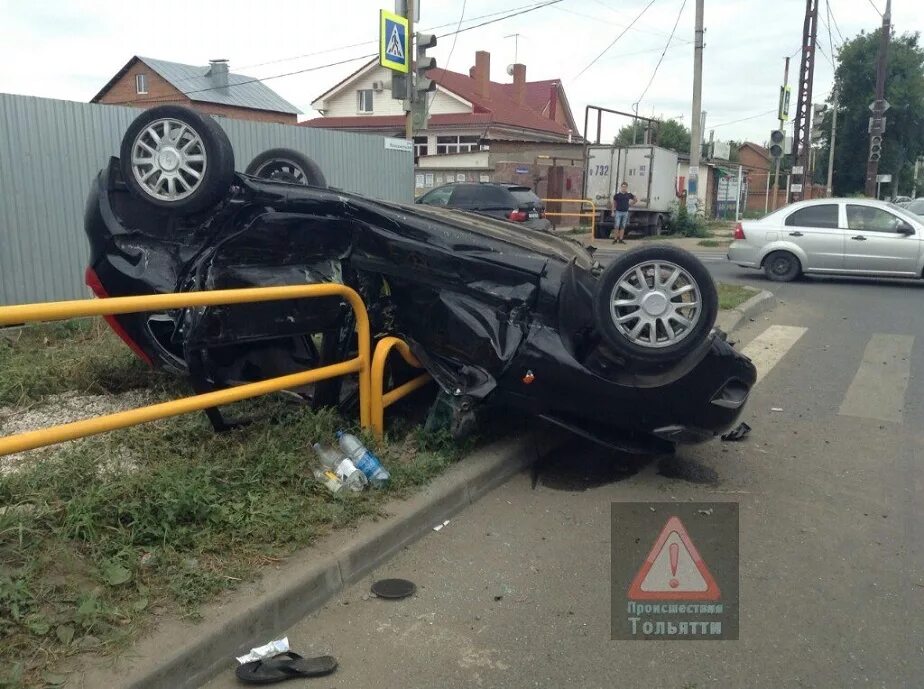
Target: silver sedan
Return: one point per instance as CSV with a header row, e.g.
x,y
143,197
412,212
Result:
x,y
832,236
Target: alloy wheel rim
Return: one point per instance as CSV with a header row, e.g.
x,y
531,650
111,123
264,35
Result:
x,y
169,160
656,304
283,170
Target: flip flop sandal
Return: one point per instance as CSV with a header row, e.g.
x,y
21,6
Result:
x,y
285,666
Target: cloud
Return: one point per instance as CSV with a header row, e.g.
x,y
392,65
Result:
x,y
70,48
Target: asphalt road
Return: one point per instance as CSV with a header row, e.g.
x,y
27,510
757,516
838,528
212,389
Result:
x,y
515,592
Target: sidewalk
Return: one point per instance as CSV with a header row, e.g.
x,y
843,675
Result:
x,y
717,244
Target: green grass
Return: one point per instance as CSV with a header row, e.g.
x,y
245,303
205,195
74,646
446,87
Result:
x,y
100,535
83,355
731,296
87,552
714,242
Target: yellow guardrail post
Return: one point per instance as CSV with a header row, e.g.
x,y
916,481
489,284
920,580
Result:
x,y
52,311
592,215
379,399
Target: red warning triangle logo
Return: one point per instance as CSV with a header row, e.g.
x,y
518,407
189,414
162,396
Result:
x,y
674,569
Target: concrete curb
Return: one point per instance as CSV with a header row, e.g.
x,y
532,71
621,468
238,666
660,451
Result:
x,y
182,655
731,320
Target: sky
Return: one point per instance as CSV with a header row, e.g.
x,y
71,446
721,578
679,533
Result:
x,y
69,49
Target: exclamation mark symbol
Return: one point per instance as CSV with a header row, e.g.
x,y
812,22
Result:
x,y
674,551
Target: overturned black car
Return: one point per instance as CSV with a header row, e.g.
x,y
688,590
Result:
x,y
498,315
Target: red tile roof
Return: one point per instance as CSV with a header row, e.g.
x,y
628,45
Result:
x,y
498,108
397,121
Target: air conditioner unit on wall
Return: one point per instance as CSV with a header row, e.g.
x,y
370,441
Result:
x,y
378,86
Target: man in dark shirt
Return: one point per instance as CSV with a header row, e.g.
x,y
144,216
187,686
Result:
x,y
621,202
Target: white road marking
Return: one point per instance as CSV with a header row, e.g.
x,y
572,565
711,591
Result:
x,y
878,388
770,346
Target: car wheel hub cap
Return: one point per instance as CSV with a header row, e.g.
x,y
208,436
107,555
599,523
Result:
x,y
656,304
169,160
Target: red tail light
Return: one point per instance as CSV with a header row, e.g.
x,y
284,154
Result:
x,y
517,216
93,282
739,231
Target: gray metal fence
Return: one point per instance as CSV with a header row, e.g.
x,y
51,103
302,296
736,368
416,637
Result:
x,y
50,151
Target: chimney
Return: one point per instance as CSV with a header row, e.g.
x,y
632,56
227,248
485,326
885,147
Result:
x,y
519,83
218,73
483,73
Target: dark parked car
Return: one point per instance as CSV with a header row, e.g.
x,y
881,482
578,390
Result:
x,y
626,355
512,202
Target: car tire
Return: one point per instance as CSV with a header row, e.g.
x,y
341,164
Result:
x,y
286,165
190,171
782,266
666,318
659,225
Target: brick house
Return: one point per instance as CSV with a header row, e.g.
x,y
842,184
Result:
x,y
145,82
478,129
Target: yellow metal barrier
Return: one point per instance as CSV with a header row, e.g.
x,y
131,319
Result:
x,y
592,215
29,313
381,399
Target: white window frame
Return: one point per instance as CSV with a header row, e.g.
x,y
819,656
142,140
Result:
x,y
453,144
359,101
141,84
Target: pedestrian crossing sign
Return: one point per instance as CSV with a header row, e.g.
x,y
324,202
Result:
x,y
393,41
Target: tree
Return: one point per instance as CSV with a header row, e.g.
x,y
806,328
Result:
x,y
855,82
669,134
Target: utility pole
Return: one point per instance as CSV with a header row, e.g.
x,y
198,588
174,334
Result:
x,y
696,132
829,189
411,74
782,114
801,139
879,106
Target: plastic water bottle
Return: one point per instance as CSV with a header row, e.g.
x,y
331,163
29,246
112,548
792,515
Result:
x,y
329,479
353,479
364,460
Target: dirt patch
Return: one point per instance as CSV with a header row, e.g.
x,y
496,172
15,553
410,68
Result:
x,y
59,409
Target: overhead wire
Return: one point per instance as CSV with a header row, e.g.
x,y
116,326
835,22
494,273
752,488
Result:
x,y
661,59
523,10
613,42
743,119
452,49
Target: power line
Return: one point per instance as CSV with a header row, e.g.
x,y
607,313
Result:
x,y
822,50
874,7
661,59
429,101
357,45
834,22
611,23
622,33
526,9
743,119
830,39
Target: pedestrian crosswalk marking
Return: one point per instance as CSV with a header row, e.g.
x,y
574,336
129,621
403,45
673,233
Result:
x,y
878,388
766,350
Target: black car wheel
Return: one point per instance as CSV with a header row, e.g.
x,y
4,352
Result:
x,y
177,158
286,165
782,266
655,304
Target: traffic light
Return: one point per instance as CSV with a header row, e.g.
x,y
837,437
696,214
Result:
x,y
777,137
875,147
424,63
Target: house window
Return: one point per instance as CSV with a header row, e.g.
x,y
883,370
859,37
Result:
x,y
420,146
141,84
456,144
364,100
